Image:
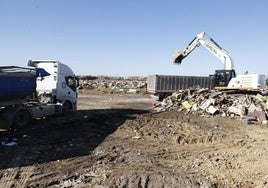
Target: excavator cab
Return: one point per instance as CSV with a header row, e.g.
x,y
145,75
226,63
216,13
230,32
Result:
x,y
178,57
223,77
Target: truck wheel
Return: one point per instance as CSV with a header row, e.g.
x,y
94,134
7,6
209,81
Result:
x,y
67,107
21,119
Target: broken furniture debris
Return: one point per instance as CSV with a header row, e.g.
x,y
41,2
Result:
x,y
248,105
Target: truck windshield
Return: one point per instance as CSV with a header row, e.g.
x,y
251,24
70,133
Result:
x,y
71,82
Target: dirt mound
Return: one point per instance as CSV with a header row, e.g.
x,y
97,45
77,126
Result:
x,y
118,141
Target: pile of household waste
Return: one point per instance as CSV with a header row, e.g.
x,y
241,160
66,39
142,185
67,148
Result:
x,y
249,106
116,84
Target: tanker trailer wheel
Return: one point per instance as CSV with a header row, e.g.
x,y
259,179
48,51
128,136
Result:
x,y
21,119
66,108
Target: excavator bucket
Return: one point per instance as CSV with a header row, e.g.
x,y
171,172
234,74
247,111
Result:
x,y
178,57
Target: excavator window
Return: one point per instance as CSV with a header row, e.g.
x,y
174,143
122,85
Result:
x,y
223,77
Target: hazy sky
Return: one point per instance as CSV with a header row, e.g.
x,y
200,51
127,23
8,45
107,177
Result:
x,y
134,37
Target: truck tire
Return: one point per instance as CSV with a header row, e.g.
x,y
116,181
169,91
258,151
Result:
x,y
21,119
67,107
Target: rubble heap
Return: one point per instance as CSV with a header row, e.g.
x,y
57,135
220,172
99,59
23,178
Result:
x,y
119,84
249,107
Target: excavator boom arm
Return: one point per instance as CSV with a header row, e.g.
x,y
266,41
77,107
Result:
x,y
209,44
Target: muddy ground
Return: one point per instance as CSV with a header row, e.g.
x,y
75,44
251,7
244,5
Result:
x,y
116,140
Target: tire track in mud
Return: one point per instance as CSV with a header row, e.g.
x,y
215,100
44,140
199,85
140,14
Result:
x,y
16,177
183,151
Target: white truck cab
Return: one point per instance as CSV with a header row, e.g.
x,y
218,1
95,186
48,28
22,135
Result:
x,y
59,87
52,90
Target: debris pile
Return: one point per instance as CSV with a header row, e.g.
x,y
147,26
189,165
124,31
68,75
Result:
x,y
116,84
248,106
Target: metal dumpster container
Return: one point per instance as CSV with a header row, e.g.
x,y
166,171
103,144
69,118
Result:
x,y
171,83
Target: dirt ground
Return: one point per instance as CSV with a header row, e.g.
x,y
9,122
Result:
x,y
117,140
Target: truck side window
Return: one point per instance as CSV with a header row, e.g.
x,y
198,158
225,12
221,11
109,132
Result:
x,y
71,82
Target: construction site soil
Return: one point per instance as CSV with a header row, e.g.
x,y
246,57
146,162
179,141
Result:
x,y
117,140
